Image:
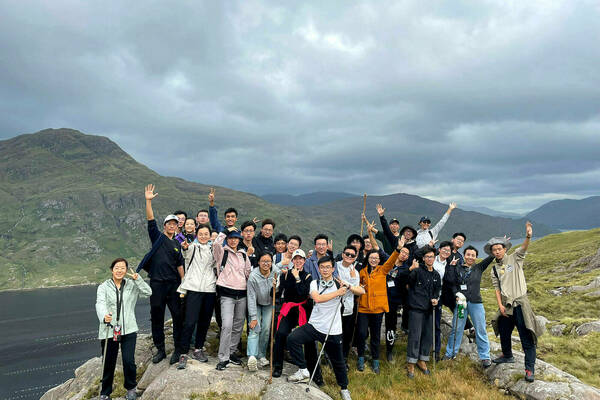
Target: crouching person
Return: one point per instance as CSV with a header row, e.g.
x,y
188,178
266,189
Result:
x,y
325,326
261,285
115,307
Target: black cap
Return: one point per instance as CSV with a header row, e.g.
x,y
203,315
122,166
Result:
x,y
425,219
394,221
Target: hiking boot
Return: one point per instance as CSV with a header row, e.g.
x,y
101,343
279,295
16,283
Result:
x,y
390,356
447,357
375,366
486,363
360,364
299,376
182,362
502,360
159,356
234,359
410,370
104,397
174,358
252,364
529,376
276,372
345,393
221,365
131,394
263,362
199,355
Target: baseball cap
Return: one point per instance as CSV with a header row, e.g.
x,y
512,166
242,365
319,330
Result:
x,y
298,252
171,217
425,219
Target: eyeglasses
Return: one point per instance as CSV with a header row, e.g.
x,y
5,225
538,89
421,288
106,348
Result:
x,y
265,262
248,231
325,266
429,257
351,255
445,250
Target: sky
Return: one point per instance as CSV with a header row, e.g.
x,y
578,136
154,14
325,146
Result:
x,y
487,103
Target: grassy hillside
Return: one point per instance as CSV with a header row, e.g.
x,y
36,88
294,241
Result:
x,y
569,214
548,267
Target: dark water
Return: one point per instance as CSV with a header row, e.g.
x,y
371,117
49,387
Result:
x,y
46,334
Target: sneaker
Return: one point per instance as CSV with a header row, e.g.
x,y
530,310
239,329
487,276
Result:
x,y
447,357
131,394
502,360
375,366
252,364
234,359
299,376
486,363
263,362
410,371
276,372
159,356
345,393
200,355
529,376
104,397
221,365
360,364
182,362
174,358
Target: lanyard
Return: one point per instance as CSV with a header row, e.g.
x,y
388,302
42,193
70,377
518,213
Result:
x,y
464,278
119,298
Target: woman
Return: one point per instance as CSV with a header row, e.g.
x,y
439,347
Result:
x,y
115,307
188,232
424,289
199,287
374,303
261,282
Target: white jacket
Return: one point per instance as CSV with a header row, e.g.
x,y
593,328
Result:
x,y
199,269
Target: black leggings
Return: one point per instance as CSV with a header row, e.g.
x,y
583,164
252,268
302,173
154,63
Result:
x,y
369,323
128,356
199,308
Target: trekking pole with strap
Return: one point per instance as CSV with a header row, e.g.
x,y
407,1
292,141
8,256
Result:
x,y
108,326
272,327
433,335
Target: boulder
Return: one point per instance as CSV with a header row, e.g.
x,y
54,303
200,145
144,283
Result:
x,y
593,294
542,320
557,330
588,327
86,376
591,262
595,284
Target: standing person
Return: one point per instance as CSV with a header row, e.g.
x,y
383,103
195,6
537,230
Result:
x,y
181,217
424,288
325,320
322,247
373,304
508,279
164,264
248,228
295,284
115,305
293,243
231,215
347,273
233,269
188,234
199,288
426,235
280,247
395,285
261,285
458,241
263,243
441,264
467,280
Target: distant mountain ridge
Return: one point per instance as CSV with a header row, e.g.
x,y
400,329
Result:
x,y
72,202
306,199
569,214
492,212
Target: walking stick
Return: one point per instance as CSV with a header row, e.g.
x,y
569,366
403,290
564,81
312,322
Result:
x,y
272,327
108,325
433,326
362,223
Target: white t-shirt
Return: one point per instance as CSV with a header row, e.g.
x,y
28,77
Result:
x,y
344,275
322,313
440,266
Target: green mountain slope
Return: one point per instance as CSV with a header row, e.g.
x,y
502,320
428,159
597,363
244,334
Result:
x,y
569,214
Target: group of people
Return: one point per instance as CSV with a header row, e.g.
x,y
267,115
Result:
x,y
199,267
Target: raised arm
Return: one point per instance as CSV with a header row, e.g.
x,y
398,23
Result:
x,y
149,195
386,227
438,227
370,229
528,234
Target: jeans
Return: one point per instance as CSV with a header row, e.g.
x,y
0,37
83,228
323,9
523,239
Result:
x,y
164,294
233,314
420,335
128,356
369,323
506,326
258,338
199,308
477,314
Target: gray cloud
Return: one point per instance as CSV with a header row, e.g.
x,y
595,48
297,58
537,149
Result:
x,y
490,103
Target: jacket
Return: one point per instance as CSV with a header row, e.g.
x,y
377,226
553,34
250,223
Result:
x,y
260,289
375,299
200,275
263,245
236,271
311,266
457,275
425,236
106,302
156,238
423,286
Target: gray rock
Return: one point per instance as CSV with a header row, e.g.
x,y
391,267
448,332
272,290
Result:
x,y
588,327
279,390
558,291
152,371
595,284
557,330
593,294
542,320
76,388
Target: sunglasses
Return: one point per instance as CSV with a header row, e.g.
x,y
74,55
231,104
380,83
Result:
x,y
351,255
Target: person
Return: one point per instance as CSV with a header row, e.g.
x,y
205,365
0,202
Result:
x,y
261,285
293,243
424,288
233,269
396,286
458,241
181,217
448,293
374,303
426,235
441,264
202,217
164,264
514,309
280,247
188,234
263,243
115,307
248,228
347,273
199,288
467,281
358,242
230,215
295,284
325,326
322,248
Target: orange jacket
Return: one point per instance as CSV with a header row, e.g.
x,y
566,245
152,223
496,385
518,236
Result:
x,y
375,299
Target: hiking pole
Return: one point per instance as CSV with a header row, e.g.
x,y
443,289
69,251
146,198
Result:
x,y
324,343
272,327
433,335
108,326
362,222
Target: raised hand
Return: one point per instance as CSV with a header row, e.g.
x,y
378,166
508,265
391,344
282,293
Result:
x,y
401,241
211,197
149,192
134,275
380,210
185,245
506,239
295,273
255,220
528,229
432,242
415,265
454,261
452,206
330,245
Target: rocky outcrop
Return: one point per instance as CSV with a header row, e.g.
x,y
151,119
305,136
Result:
x,y
595,284
591,262
588,327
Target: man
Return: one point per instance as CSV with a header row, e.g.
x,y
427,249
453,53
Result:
x,y
322,245
280,242
324,320
248,228
293,243
391,234
426,235
458,241
181,217
441,263
508,279
396,288
263,243
230,214
164,264
202,217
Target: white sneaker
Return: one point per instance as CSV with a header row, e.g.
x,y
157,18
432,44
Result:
x,y
345,394
263,362
252,366
299,376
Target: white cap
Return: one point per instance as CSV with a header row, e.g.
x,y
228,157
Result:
x,y
171,217
298,252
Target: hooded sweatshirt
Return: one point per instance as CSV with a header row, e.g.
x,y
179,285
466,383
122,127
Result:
x,y
260,290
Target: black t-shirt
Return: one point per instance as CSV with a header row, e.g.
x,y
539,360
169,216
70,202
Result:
x,y
164,263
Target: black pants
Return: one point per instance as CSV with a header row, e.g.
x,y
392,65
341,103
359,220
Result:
x,y
307,335
369,323
164,294
347,333
286,325
438,329
127,353
405,311
420,335
199,308
506,326
391,322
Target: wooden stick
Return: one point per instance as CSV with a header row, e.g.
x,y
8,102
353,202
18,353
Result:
x,y
362,223
272,327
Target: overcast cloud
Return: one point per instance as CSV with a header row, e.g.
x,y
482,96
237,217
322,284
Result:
x,y
491,103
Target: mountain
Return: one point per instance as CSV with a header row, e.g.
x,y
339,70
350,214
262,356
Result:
x,y
489,211
569,214
70,203
306,199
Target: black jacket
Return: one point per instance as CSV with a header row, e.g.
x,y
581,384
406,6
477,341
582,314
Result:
x,y
424,285
263,245
292,291
455,276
